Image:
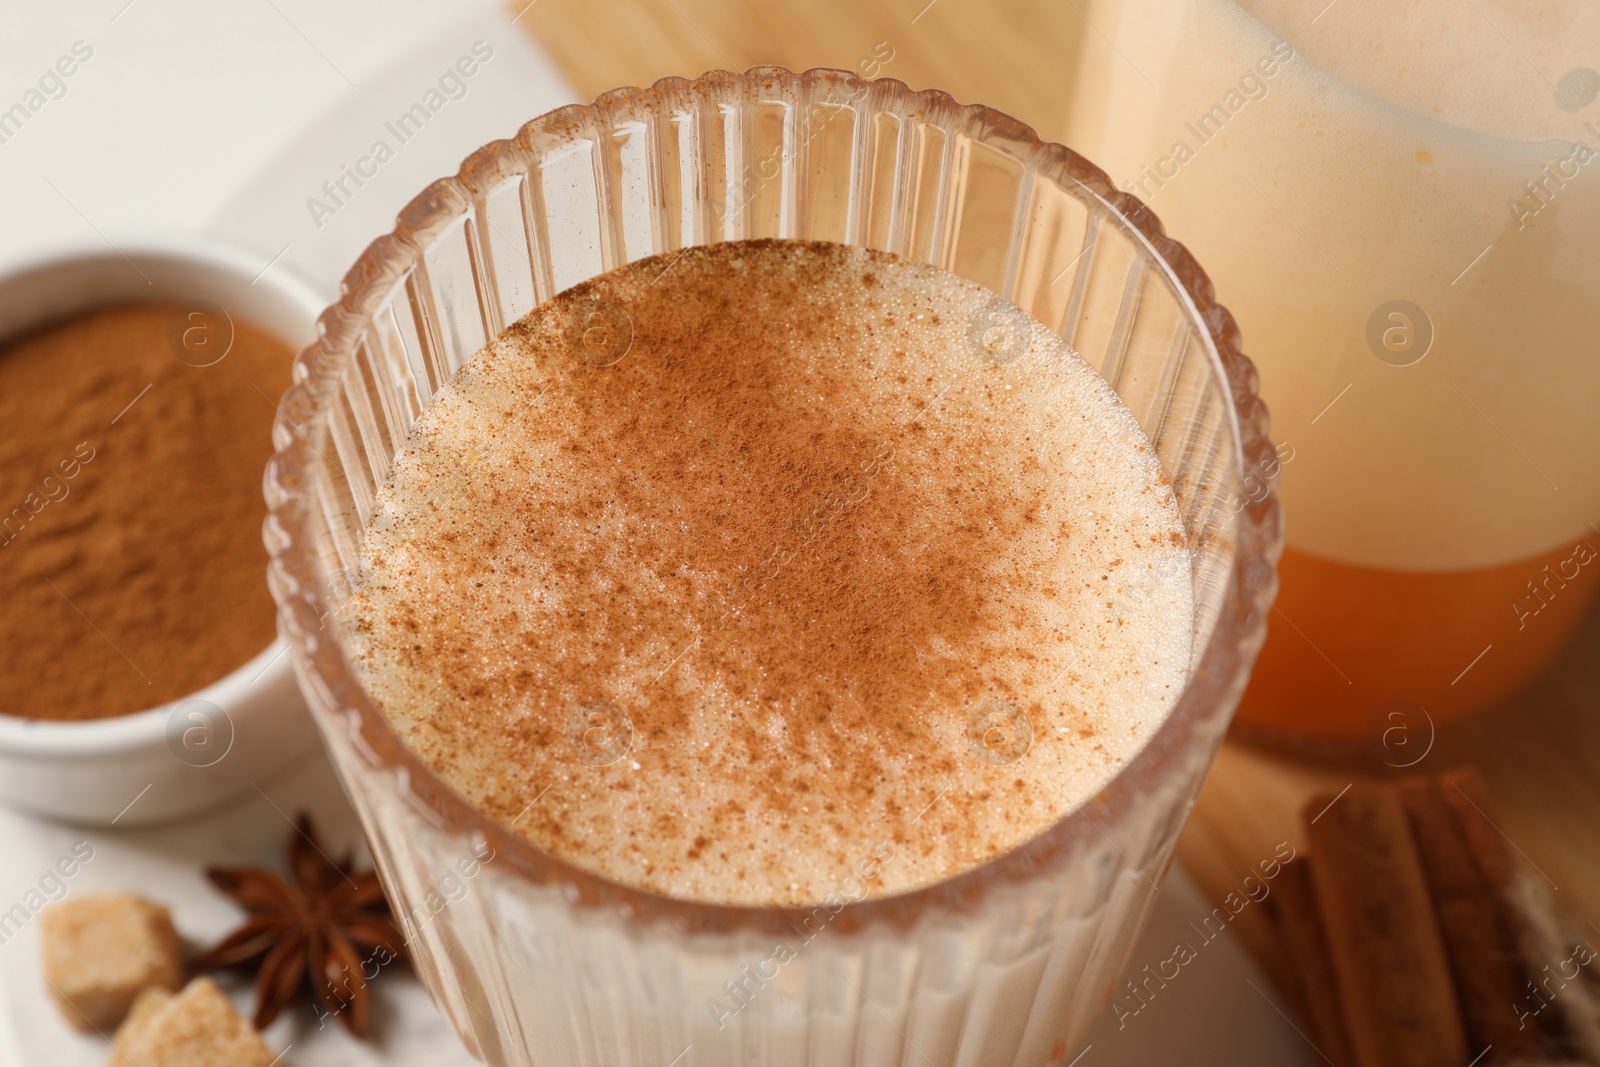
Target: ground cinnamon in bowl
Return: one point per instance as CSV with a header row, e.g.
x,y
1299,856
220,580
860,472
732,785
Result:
x,y
131,563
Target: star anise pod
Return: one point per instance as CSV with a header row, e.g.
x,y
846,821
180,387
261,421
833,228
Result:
x,y
329,929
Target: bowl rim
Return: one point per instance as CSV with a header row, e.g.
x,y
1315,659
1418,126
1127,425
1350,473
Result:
x,y
28,736
350,718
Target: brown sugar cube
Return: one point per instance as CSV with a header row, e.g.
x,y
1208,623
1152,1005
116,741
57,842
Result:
x,y
193,1028
101,951
145,1005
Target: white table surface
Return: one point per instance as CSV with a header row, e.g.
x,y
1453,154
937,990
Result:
x,y
224,119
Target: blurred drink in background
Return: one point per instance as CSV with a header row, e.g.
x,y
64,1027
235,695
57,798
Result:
x,y
1401,207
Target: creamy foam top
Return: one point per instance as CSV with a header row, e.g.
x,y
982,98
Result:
x,y
776,570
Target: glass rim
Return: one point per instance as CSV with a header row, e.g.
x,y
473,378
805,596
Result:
x,y
303,603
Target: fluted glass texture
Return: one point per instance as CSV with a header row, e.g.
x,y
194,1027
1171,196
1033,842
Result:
x,y
537,962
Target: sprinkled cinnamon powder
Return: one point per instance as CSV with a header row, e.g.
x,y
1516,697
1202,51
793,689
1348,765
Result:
x,y
730,575
131,564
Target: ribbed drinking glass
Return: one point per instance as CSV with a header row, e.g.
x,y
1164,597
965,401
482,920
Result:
x,y
535,961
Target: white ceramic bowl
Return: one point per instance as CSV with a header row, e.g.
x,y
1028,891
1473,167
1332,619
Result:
x,y
196,753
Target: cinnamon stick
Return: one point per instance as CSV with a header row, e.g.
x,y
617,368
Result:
x,y
1489,973
1388,954
1463,791
1295,906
